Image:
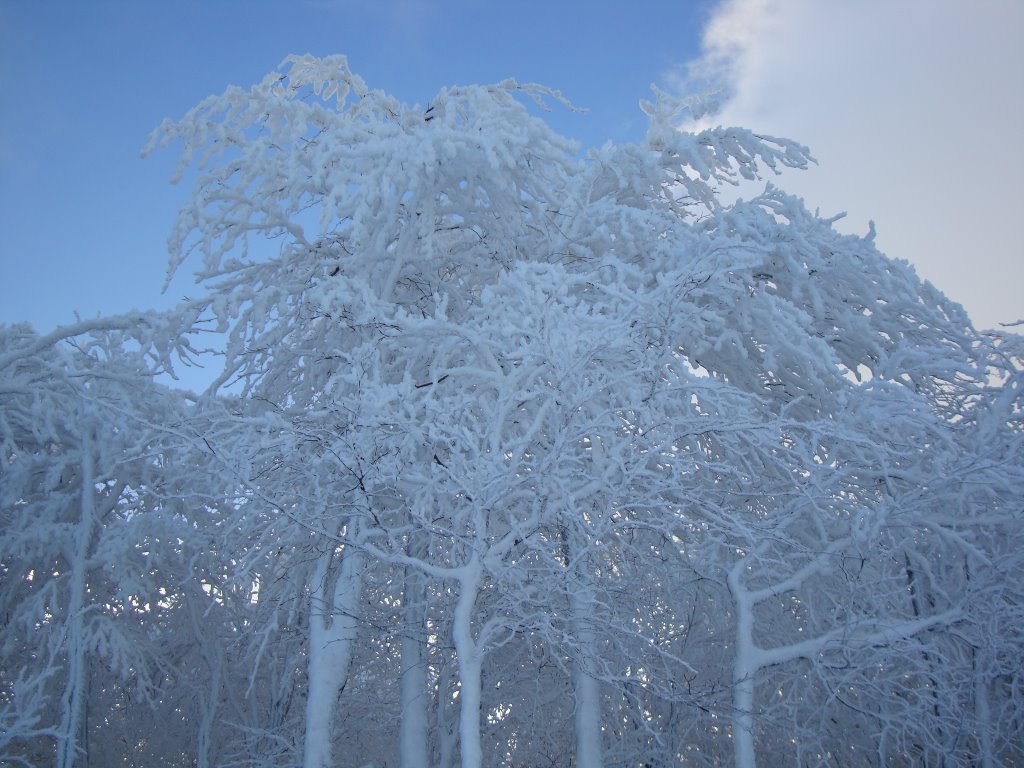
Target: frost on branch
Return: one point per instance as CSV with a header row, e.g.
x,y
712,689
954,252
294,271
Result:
x,y
548,458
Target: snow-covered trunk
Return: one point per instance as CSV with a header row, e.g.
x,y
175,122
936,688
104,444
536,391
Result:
x,y
332,632
982,715
445,726
70,743
586,688
917,605
414,750
469,665
744,670
208,703
209,715
588,708
882,746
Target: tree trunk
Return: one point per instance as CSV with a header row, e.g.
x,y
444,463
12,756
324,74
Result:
x,y
445,728
469,665
332,633
744,670
207,701
588,718
69,741
586,688
414,750
982,715
915,603
209,714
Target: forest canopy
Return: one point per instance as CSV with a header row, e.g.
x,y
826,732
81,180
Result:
x,y
514,455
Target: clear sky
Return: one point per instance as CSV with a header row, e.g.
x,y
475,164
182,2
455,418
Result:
x,y
913,108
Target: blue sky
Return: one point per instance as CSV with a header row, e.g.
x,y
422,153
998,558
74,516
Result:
x,y
84,220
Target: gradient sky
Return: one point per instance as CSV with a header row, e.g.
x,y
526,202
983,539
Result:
x,y
891,96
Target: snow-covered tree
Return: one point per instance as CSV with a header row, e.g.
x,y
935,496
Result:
x,y
552,458
91,496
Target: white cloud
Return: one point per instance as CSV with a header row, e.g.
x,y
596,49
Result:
x,y
915,110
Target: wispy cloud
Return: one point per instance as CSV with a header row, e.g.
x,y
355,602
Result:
x,y
915,110
727,39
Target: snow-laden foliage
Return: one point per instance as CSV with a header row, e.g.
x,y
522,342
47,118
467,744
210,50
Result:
x,y
550,458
